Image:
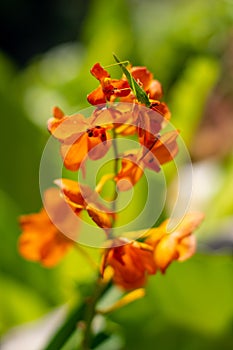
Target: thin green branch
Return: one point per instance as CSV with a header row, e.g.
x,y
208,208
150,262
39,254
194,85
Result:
x,y
115,167
90,312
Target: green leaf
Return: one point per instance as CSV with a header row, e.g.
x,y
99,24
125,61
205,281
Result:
x,y
67,328
99,338
137,90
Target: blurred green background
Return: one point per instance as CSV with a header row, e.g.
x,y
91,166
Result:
x,y
47,50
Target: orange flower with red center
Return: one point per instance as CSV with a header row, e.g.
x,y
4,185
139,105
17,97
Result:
x,y
131,263
179,244
158,151
108,89
41,240
80,136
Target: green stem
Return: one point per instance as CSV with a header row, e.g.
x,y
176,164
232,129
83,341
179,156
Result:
x,y
115,167
90,312
115,151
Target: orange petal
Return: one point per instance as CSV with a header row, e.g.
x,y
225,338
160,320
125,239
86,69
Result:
x,y
149,124
67,127
186,247
99,72
146,257
60,213
179,244
155,90
131,264
40,220
154,235
129,174
96,97
130,98
73,154
54,122
98,145
73,193
161,108
53,204
104,262
55,250
58,113
142,75
101,218
80,196
188,224
53,125
150,161
41,240
165,148
104,117
125,129
31,241
115,88
165,252
51,252
121,87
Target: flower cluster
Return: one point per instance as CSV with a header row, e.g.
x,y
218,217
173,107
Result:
x,y
127,107
133,261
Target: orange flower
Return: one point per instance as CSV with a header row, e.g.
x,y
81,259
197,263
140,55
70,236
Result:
x,y
153,88
145,78
131,263
108,87
162,150
80,136
133,118
179,244
161,108
151,121
158,151
80,196
41,240
130,173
